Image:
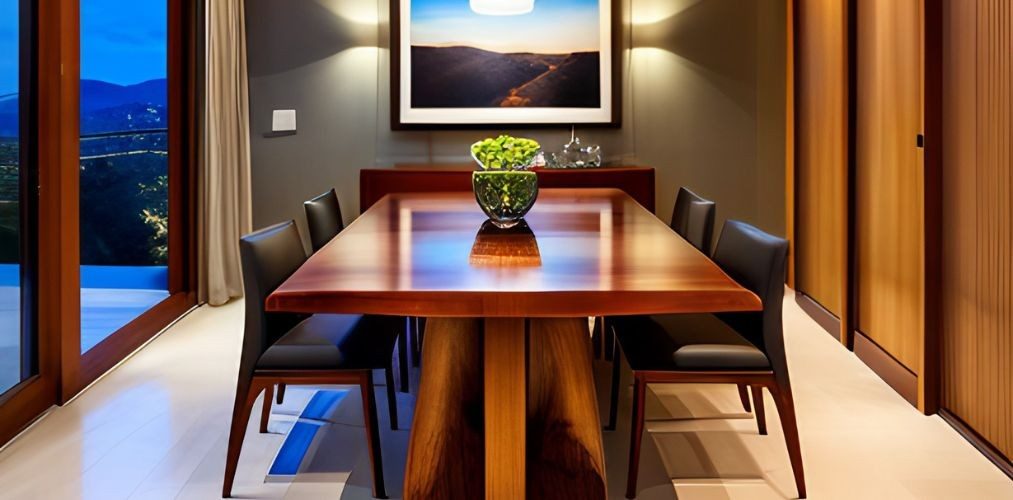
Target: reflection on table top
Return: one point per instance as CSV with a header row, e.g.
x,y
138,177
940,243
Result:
x,y
599,253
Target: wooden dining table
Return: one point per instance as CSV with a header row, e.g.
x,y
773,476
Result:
x,y
506,407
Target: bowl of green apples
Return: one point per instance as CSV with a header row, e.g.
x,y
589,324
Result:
x,y
504,186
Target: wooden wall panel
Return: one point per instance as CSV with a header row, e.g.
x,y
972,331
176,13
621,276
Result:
x,y
889,181
821,151
977,297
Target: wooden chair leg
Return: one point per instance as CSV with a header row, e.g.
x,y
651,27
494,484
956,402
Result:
x,y
372,433
265,410
786,410
761,417
636,435
281,393
614,392
245,398
744,397
402,354
391,397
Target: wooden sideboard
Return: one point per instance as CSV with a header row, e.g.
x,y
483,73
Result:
x,y
375,183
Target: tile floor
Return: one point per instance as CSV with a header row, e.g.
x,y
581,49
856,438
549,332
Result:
x,y
157,426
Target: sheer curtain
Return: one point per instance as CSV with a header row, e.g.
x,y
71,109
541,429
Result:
x,y
225,211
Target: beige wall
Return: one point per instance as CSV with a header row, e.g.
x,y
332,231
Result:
x,y
703,103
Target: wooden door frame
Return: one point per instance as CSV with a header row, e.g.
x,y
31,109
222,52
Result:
x,y
929,376
78,370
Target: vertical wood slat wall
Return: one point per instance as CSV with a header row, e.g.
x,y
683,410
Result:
x,y
977,349
821,162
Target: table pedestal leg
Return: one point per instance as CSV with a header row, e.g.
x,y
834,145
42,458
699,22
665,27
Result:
x,y
506,410
505,367
445,450
565,454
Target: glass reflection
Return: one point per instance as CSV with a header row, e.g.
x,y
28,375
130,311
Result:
x,y
511,247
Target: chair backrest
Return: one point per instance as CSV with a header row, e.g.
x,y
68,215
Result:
x,y
693,219
757,261
269,256
323,218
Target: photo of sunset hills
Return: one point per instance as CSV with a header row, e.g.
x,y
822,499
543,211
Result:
x,y
466,77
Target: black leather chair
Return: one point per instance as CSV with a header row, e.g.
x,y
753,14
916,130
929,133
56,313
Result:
x,y
282,348
739,348
693,219
323,217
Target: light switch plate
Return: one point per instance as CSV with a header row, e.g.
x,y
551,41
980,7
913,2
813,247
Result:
x,y
283,120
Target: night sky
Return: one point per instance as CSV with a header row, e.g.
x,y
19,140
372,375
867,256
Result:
x,y
122,41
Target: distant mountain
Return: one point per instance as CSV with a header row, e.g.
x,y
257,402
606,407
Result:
x,y
451,77
106,107
97,94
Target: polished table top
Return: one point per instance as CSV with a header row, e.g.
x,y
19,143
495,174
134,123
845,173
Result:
x,y
589,252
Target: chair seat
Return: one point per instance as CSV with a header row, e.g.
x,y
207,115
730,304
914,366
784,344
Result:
x,y
691,342
333,342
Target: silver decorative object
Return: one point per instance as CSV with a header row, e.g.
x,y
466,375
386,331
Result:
x,y
576,155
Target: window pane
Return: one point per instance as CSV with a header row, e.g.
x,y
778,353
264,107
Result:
x,y
10,261
124,163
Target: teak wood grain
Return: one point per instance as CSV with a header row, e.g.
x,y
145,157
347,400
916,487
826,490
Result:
x,y
505,365
889,177
977,284
822,152
601,254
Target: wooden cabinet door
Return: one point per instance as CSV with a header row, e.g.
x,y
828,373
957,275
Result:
x,y
889,178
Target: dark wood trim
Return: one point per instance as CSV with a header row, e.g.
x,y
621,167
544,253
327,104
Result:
x,y
375,183
395,82
930,386
980,443
819,314
791,145
59,210
893,372
850,311
184,124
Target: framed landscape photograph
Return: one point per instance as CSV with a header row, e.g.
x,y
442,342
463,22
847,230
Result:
x,y
474,63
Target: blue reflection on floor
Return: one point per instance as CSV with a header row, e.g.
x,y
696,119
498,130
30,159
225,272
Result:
x,y
111,297
300,437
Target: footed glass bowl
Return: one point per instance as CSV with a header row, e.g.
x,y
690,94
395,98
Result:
x,y
505,195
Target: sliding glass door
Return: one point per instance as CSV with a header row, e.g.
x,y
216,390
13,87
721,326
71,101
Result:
x,y
124,148
98,136
17,361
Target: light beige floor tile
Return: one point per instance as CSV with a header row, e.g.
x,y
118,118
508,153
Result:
x,y
157,428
